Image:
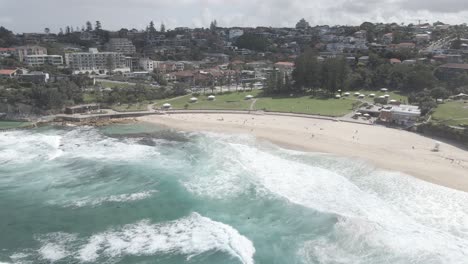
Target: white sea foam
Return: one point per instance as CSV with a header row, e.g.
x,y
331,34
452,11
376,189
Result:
x,y
83,142
398,215
189,236
121,198
24,146
56,246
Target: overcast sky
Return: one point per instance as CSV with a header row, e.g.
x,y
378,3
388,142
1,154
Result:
x,y
35,15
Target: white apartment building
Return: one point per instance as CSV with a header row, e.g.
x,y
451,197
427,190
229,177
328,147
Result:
x,y
37,60
94,62
147,64
121,45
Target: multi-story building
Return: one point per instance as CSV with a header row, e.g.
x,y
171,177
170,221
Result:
x,y
122,45
37,60
147,64
23,51
34,77
94,62
7,52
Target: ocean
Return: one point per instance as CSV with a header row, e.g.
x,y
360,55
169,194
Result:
x,y
139,193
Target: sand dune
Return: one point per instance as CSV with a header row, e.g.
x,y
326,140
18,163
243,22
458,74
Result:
x,y
386,148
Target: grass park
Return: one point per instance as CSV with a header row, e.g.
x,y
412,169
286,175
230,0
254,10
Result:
x,y
304,104
453,113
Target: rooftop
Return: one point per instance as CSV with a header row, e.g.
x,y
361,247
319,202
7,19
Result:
x,y
463,66
7,72
285,63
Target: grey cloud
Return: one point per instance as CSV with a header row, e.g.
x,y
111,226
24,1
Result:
x,y
34,15
445,6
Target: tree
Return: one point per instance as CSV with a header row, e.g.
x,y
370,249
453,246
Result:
x,y
163,28
440,93
334,74
456,44
89,26
67,30
302,24
252,42
213,25
151,28
7,38
98,26
307,71
47,31
110,64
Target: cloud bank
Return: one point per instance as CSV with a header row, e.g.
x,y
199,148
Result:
x,y
33,15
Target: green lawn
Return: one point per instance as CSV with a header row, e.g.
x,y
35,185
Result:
x,y
130,107
12,124
107,84
89,98
394,95
452,113
306,105
236,101
226,101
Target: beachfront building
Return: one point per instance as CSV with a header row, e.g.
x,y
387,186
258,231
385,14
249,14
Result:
x,y
95,62
37,60
404,115
23,51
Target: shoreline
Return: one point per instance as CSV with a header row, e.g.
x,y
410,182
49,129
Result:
x,y
386,148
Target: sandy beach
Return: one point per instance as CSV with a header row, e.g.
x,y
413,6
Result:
x,y
386,148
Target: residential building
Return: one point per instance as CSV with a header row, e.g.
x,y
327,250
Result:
x,y
454,58
401,46
34,77
122,45
395,61
23,51
422,38
451,70
7,52
147,64
364,60
361,34
217,57
94,62
37,60
285,67
387,39
8,74
133,63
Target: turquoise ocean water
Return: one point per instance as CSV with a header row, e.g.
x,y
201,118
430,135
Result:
x,y
143,194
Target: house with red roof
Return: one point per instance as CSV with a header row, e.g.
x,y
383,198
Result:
x,y
285,67
395,61
7,52
8,73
